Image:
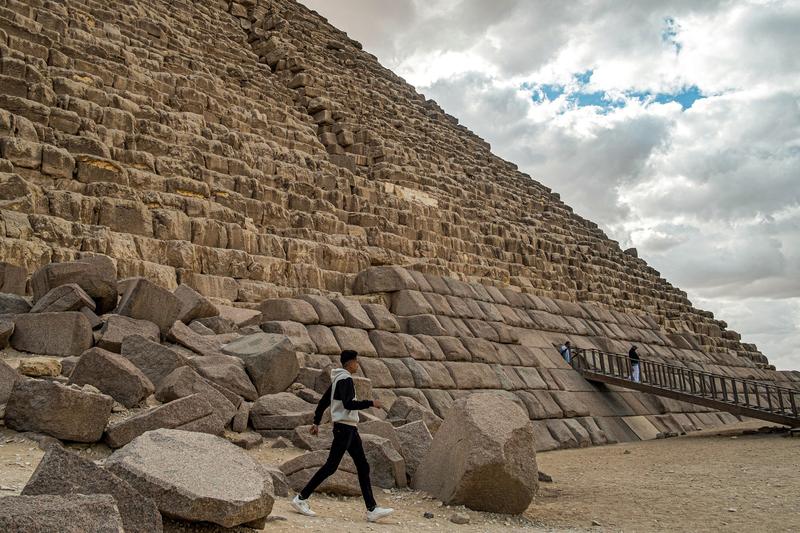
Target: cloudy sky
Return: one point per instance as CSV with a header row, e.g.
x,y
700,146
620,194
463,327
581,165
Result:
x,y
674,124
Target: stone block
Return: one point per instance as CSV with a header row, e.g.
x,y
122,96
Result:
x,y
354,314
382,318
13,279
226,371
184,381
415,442
47,513
60,334
410,303
270,361
324,339
8,377
282,411
326,310
193,305
144,300
67,297
13,304
288,309
354,339
116,328
295,331
154,360
424,325
96,275
112,374
383,279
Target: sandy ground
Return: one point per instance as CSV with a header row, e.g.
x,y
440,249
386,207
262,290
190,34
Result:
x,y
702,482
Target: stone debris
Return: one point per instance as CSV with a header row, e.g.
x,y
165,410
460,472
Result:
x,y
144,300
61,472
270,360
66,413
69,297
60,334
112,374
97,513
482,457
116,328
39,367
195,477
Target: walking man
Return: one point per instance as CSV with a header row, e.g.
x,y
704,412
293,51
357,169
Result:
x,y
634,358
566,352
341,397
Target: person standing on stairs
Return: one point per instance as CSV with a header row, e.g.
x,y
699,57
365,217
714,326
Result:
x,y
634,359
566,352
341,397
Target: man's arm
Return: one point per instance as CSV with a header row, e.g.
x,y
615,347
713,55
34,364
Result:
x,y
323,404
346,393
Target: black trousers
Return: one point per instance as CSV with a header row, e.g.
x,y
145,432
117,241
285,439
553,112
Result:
x,y
345,439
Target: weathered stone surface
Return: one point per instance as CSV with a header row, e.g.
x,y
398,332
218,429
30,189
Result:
x,y
354,339
193,410
96,275
387,466
193,305
76,513
281,411
424,325
383,279
63,412
410,303
13,304
8,376
39,367
12,280
154,360
388,344
415,442
112,374
145,300
195,477
324,339
327,311
242,418
295,310
270,361
64,473
296,332
52,333
246,440
353,313
182,334
479,459
117,328
226,371
405,408
67,297
184,381
279,481
381,317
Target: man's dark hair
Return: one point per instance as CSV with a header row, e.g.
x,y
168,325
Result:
x,y
347,355
566,343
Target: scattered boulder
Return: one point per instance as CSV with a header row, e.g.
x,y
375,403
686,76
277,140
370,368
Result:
x,y
193,305
112,374
242,418
409,410
13,304
60,334
68,297
8,377
13,279
387,467
483,456
295,310
6,330
282,411
39,367
64,473
226,371
145,300
96,275
415,441
270,361
279,481
75,513
63,412
182,334
154,360
219,325
117,328
190,413
246,440
195,477
184,382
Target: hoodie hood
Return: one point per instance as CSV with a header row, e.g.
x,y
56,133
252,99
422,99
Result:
x,y
336,372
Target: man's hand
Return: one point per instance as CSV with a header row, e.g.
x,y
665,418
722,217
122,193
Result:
x,y
314,429
377,403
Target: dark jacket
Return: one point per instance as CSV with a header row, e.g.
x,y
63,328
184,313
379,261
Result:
x,y
346,393
633,356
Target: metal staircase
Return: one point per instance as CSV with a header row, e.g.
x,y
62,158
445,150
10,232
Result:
x,y
744,397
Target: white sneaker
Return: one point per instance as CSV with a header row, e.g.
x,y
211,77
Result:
x,y
378,513
301,506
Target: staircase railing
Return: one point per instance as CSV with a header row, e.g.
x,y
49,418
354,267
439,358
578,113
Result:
x,y
739,392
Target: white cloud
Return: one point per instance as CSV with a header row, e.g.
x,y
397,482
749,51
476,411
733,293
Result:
x,y
710,195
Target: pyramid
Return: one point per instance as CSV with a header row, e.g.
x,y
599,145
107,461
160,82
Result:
x,y
251,150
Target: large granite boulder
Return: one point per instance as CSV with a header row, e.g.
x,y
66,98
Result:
x,y
66,413
8,377
61,472
96,275
270,360
283,411
194,305
154,360
191,413
145,300
483,456
68,297
226,371
415,442
295,310
184,381
76,513
62,334
116,328
14,304
383,279
112,374
195,477
407,409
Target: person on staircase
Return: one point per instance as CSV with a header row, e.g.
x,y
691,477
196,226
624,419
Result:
x,y
566,352
636,375
341,398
